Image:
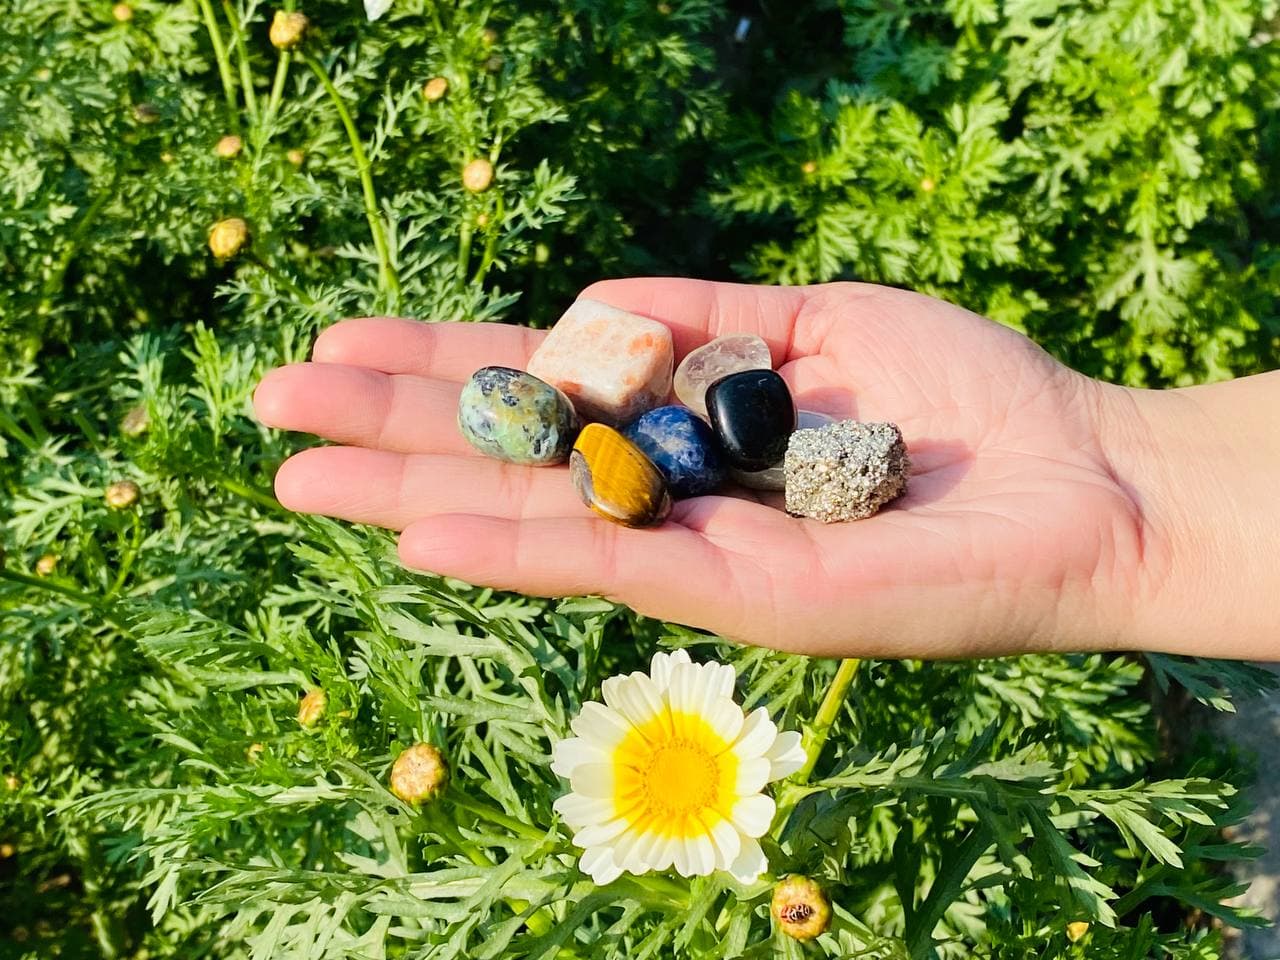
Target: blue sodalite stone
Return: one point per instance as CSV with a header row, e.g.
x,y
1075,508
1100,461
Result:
x,y
682,447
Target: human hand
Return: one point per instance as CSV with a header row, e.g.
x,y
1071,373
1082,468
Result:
x,y
1016,532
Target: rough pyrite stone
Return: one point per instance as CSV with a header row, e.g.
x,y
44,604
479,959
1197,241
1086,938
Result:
x,y
616,480
509,415
612,364
719,358
682,447
752,414
775,478
845,471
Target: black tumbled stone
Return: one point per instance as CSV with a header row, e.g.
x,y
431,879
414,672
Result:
x,y
753,415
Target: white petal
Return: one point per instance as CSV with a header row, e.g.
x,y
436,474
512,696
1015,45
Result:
x,y
757,735
595,834
786,756
373,9
702,855
752,815
567,754
725,718
681,859
753,774
599,864
660,666
629,851
593,780
728,843
688,690
723,677
634,696
664,853
601,726
749,863
579,811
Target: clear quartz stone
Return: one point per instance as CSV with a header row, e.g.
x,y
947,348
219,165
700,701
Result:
x,y
719,358
775,478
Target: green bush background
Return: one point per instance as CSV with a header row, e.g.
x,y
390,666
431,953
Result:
x,y
1101,175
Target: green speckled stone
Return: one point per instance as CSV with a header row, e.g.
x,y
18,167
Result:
x,y
510,415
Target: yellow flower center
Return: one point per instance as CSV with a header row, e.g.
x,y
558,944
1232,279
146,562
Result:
x,y
674,776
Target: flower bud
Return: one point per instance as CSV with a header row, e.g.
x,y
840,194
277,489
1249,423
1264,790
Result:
x,y
12,782
311,707
229,147
136,421
927,184
1077,929
477,175
227,237
122,12
419,774
296,157
254,753
482,220
44,567
7,850
435,89
489,36
800,908
146,113
809,167
287,29
123,493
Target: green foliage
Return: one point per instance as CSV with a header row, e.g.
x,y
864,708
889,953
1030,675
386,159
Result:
x,y
161,797
1099,175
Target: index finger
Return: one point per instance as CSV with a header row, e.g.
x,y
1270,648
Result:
x,y
695,311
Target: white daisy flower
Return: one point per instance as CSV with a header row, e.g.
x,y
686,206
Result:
x,y
668,772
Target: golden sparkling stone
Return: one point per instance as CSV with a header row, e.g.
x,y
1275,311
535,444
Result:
x,y
800,908
616,480
419,773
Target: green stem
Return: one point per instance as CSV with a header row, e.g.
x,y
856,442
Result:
x,y
389,282
96,604
491,242
277,87
282,280
242,55
464,253
248,493
224,63
815,738
816,735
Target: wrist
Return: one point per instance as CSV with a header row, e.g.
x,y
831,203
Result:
x,y
1198,465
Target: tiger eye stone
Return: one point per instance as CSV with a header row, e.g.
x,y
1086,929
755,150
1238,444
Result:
x,y
509,415
616,480
702,367
752,414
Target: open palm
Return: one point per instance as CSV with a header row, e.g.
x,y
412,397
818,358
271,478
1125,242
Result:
x,y
1015,533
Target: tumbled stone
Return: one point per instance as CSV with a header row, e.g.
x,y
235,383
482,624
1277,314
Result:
x,y
616,480
845,471
510,415
682,447
612,364
752,414
775,478
719,358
